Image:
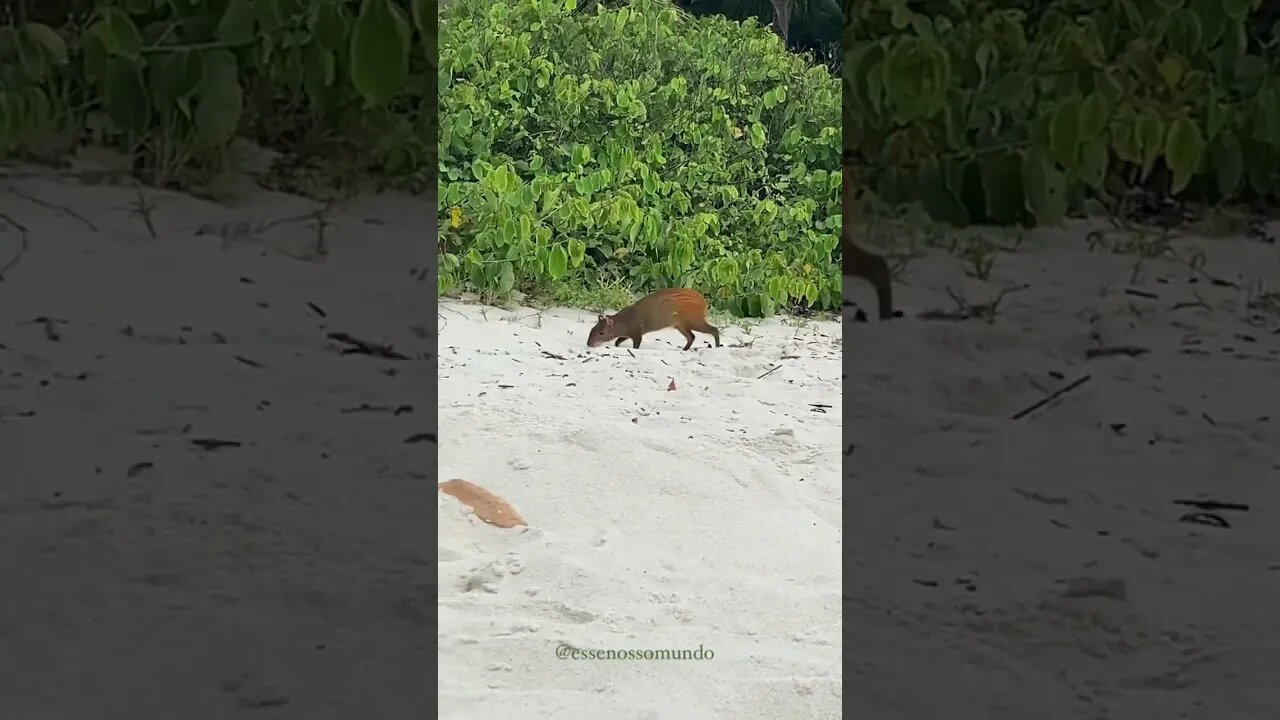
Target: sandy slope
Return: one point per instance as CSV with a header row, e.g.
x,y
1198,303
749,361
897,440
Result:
x,y
963,524
707,516
143,576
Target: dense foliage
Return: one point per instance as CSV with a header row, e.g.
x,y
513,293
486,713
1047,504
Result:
x,y
635,146
179,79
1015,111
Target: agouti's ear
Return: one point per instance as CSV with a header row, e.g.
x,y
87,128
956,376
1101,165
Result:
x,y
600,318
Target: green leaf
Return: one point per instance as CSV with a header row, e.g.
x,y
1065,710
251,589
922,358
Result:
x,y
238,23
330,26
917,75
379,52
1173,69
118,33
125,95
1003,187
864,81
1235,42
1092,169
937,197
1184,150
175,75
1064,131
48,40
1046,188
95,57
32,58
577,252
1236,9
1251,73
221,99
8,131
557,262
425,18
1269,129
1132,15
1012,89
506,278
320,69
1212,20
24,113
984,56
269,15
900,16
1094,115
1216,116
1185,35
1149,132
1227,159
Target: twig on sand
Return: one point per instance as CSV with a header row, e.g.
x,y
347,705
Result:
x,y
1212,504
215,443
1051,397
1141,293
968,311
319,216
1205,518
768,372
51,206
1196,265
144,207
1197,303
49,326
1127,350
364,347
321,248
242,230
22,245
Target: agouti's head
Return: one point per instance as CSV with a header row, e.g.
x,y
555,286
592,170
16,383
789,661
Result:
x,y
603,332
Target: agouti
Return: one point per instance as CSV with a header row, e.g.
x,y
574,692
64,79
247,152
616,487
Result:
x,y
680,308
855,260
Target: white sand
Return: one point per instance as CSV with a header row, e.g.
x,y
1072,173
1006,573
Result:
x,y
942,487
708,516
285,578
289,577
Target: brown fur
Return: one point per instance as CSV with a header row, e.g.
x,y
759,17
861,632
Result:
x,y
680,308
859,262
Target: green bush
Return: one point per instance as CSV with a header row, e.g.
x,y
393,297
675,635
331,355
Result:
x,y
635,146
178,79
985,114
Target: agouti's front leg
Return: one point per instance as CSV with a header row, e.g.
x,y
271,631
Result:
x,y
620,341
635,341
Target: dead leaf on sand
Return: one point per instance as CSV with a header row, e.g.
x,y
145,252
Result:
x,y
487,506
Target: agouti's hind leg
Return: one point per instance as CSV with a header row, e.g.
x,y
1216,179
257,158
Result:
x,y
688,337
711,330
